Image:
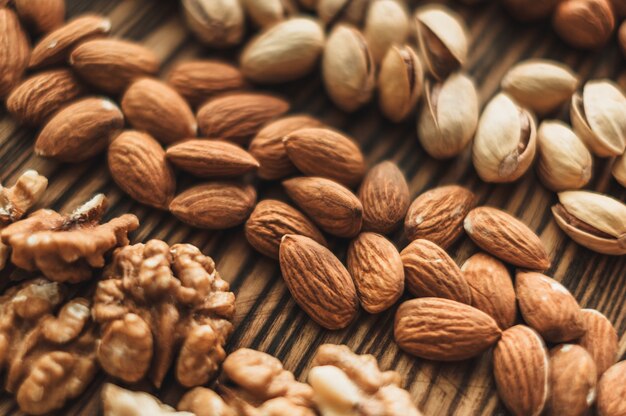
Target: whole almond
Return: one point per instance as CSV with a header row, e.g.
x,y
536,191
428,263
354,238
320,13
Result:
x,y
437,215
238,116
430,272
80,131
211,158
384,194
318,281
138,165
14,51
55,47
506,237
376,267
41,15
612,390
491,287
326,153
573,378
521,370
600,339
153,106
214,205
271,220
330,205
443,329
112,64
548,307
37,98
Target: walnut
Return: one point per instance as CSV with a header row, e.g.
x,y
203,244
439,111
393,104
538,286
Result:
x,y
67,247
256,384
156,302
47,347
117,401
205,402
349,384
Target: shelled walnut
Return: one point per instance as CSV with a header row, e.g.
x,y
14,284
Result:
x,y
117,401
156,302
66,247
47,347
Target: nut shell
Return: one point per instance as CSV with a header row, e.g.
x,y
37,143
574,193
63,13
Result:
x,y
585,24
400,82
217,23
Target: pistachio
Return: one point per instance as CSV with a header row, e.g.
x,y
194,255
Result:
x,y
564,160
505,142
442,39
599,117
284,52
400,82
593,220
348,68
350,11
540,85
619,170
386,24
586,24
448,117
217,23
265,13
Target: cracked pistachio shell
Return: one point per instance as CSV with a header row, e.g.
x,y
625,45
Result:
x,y
350,11
540,85
448,116
286,51
217,23
599,117
265,13
619,170
593,220
505,141
442,39
348,68
400,82
564,160
386,24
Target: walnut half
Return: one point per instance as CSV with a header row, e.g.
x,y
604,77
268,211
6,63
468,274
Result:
x,y
117,401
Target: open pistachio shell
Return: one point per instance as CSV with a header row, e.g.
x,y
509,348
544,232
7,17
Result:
x,y
400,82
386,24
619,170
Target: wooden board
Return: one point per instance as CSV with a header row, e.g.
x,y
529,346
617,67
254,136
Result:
x,y
267,318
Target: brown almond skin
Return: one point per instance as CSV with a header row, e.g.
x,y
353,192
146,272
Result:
x,y
80,131
612,390
437,215
206,158
506,238
271,220
600,339
214,205
430,272
318,281
521,370
384,194
138,165
268,148
443,330
548,307
111,65
14,51
573,378
330,205
153,106
326,153
41,16
238,116
55,47
37,98
376,268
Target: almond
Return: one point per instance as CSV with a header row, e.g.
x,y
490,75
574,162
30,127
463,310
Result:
x,y
137,164
443,329
211,158
318,281
506,237
55,47
332,206
430,272
238,116
41,15
80,131
548,307
600,339
437,215
520,367
376,267
268,148
14,51
326,153
491,287
612,390
156,108
573,378
37,98
271,220
112,64
214,205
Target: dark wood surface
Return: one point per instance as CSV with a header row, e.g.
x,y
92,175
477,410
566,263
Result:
x,y
267,318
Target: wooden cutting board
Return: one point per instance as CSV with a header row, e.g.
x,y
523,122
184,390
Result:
x,y
267,318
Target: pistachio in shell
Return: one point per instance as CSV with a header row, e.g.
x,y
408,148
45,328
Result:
x,y
400,82
619,170
386,24
216,23
265,13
